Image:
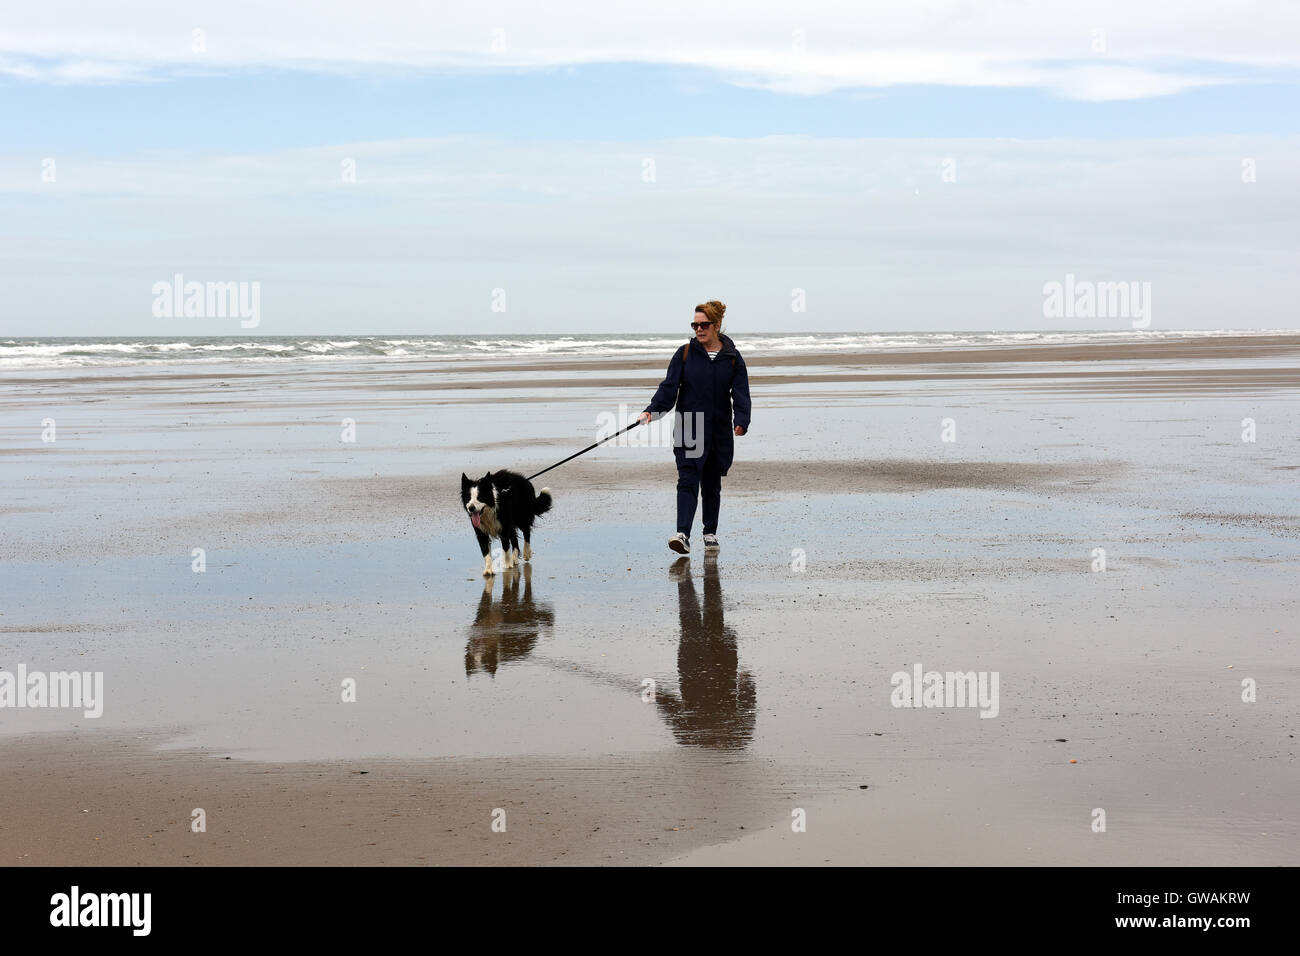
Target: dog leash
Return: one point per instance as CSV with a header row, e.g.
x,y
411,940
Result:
x,y
629,427
587,449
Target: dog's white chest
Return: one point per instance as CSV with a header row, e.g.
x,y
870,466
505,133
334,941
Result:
x,y
488,521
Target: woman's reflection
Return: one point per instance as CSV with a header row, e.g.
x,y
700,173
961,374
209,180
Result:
x,y
715,703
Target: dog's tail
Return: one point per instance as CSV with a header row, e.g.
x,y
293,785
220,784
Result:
x,y
543,504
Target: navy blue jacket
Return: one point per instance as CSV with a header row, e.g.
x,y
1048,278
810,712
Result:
x,y
709,386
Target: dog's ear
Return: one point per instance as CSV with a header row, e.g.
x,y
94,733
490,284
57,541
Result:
x,y
464,480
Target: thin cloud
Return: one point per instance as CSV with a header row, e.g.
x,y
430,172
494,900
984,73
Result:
x,y
1096,51
883,233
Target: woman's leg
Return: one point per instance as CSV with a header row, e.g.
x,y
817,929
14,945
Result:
x,y
711,492
688,491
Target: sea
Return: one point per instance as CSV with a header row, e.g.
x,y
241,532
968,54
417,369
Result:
x,y
52,353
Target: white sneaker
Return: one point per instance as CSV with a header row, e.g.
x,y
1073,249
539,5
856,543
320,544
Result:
x,y
710,542
680,543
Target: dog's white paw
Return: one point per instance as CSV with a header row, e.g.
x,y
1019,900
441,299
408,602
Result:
x,y
528,551
487,566
508,561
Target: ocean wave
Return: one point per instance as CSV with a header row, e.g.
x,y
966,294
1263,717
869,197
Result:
x,y
24,353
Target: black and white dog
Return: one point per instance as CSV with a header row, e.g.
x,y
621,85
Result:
x,y
502,504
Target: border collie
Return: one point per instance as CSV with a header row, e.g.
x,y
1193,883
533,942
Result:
x,y
502,504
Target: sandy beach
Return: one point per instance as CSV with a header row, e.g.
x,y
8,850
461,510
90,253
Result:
x,y
1111,528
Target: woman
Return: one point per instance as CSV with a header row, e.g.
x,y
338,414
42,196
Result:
x,y
704,377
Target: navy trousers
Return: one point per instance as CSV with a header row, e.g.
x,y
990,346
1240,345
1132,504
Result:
x,y
691,485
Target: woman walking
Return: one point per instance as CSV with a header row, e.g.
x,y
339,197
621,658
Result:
x,y
705,377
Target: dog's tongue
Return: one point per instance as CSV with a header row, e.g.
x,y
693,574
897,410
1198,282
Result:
x,y
474,518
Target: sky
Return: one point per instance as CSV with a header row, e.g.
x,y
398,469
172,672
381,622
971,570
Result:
x,y
515,168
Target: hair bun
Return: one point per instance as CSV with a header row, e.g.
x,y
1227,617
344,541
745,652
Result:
x,y
714,309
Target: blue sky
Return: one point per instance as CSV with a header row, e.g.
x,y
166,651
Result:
x,y
506,148
270,109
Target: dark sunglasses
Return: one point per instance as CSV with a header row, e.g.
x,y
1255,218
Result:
x,y
700,325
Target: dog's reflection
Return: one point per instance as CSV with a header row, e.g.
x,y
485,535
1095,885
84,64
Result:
x,y
507,629
715,702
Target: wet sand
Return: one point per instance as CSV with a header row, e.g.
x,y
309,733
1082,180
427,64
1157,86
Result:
x,y
117,801
856,542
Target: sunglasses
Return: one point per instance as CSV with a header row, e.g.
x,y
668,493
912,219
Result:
x,y
700,325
